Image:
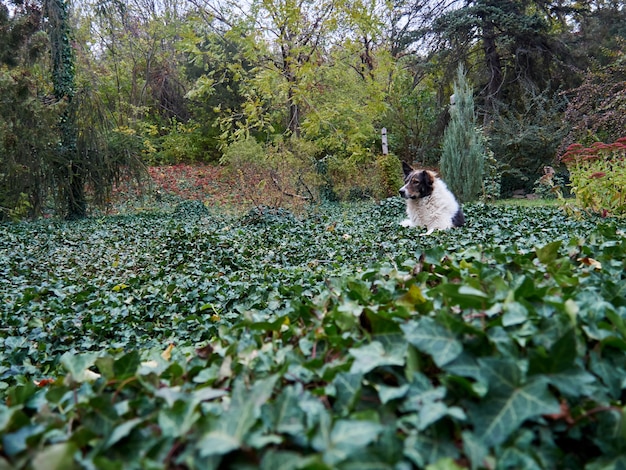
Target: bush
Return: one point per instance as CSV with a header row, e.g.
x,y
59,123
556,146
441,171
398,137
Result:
x,y
362,177
389,175
279,175
549,185
598,177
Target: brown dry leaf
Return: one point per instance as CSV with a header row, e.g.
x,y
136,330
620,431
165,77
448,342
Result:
x,y
586,261
167,354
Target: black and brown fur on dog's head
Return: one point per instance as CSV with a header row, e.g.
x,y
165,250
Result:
x,y
417,183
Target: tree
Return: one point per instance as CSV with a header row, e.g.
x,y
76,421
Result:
x,y
69,170
28,132
463,152
512,46
55,136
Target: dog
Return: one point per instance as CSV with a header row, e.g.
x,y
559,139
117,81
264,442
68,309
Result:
x,y
429,202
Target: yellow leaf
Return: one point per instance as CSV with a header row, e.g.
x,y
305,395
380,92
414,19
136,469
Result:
x,y
464,264
167,354
119,287
413,296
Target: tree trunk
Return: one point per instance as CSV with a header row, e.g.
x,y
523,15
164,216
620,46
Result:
x,y
76,202
294,114
494,66
69,173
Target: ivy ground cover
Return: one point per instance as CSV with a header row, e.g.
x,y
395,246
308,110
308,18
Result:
x,y
333,340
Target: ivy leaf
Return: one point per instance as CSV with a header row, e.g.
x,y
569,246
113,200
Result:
x,y
548,253
285,413
233,425
347,391
372,355
558,366
178,420
464,296
474,448
509,401
349,437
16,442
78,365
431,338
127,365
218,443
56,457
514,314
122,431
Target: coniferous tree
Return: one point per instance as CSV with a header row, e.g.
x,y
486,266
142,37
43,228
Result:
x,y
463,153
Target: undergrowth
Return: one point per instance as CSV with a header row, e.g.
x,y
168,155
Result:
x,y
329,339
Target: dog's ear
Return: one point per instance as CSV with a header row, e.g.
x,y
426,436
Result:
x,y
427,178
407,169
426,181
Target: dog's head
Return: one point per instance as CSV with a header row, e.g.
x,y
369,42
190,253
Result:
x,y
417,183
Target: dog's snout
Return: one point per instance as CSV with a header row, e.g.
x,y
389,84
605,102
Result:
x,y
402,192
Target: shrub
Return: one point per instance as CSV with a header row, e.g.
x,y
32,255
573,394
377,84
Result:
x,y
598,177
549,185
389,175
278,175
492,176
362,177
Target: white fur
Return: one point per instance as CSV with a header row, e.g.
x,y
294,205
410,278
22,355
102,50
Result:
x,y
435,212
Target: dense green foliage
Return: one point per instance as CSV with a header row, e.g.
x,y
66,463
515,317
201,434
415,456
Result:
x,y
57,147
338,339
598,177
172,82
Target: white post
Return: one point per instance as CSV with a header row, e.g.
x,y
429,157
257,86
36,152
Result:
x,y
384,138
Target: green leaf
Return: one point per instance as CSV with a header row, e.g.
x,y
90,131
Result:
x,y
431,338
444,464
17,441
559,358
287,415
387,394
218,443
464,296
347,392
178,420
514,314
350,437
373,355
429,447
509,401
56,457
474,449
78,365
548,253
127,365
232,426
121,431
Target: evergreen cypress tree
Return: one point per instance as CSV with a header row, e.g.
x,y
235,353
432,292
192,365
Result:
x,y
463,153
